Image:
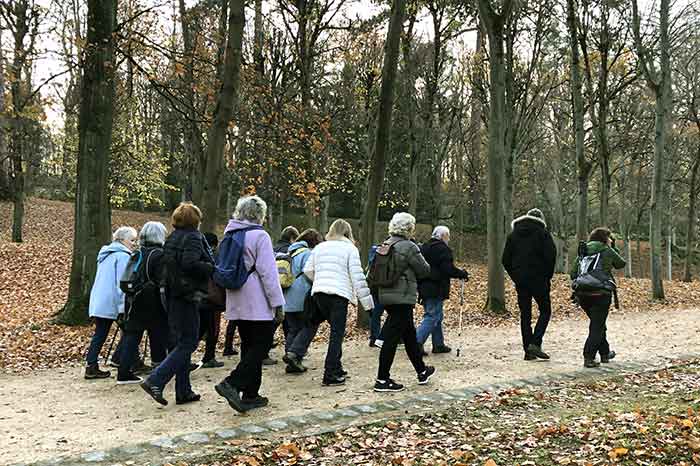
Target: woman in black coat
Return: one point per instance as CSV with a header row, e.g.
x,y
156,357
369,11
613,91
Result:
x,y
189,265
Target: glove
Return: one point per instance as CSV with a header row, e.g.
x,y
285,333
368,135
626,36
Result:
x,y
466,275
279,315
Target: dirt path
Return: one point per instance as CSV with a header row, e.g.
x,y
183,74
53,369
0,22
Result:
x,y
55,413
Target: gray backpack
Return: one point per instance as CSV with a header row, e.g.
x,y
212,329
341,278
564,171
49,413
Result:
x,y
591,278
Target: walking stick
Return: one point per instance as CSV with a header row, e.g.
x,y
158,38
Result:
x,y
111,345
461,308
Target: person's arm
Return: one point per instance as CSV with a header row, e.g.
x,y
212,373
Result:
x,y
550,254
417,262
192,253
266,267
617,261
359,281
120,262
447,265
309,270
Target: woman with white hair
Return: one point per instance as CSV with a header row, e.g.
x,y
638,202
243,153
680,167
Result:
x,y
144,309
404,265
336,272
106,298
435,289
254,307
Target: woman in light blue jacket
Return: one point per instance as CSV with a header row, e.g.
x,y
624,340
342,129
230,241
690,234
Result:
x,y
106,298
300,333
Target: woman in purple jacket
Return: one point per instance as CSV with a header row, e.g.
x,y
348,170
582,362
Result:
x,y
254,307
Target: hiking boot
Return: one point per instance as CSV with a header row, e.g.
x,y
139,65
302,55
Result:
x,y
257,402
230,352
424,376
155,392
606,359
141,368
268,361
537,351
212,364
590,363
195,366
129,379
231,395
292,370
443,349
93,372
387,386
333,381
421,350
294,362
191,397
530,357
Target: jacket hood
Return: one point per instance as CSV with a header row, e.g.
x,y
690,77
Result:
x,y
594,247
115,246
298,245
234,225
527,224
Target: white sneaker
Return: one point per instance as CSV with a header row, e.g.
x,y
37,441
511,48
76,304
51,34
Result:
x,y
378,343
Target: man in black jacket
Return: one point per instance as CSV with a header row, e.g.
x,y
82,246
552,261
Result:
x,y
529,258
436,289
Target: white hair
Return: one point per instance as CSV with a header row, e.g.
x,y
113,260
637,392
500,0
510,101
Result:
x,y
402,224
250,208
152,233
440,231
124,234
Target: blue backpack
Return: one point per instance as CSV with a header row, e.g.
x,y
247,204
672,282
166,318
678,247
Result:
x,y
230,272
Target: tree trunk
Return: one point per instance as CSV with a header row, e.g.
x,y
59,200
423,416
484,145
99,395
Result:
x,y
582,165
475,124
92,208
692,215
227,102
495,223
323,218
382,136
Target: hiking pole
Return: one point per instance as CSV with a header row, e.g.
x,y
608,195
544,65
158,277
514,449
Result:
x,y
461,308
111,345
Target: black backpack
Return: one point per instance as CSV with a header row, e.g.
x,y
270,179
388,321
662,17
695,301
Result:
x,y
591,277
384,271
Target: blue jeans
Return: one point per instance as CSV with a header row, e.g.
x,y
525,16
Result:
x,y
432,323
102,327
299,334
183,317
375,322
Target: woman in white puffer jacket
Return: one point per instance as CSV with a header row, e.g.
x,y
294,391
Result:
x,y
335,269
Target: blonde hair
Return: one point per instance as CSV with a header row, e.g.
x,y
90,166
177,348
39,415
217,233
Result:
x,y
340,229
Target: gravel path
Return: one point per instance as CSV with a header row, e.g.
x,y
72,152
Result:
x,y
56,412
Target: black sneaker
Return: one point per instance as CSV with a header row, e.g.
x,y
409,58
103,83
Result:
x,y
442,349
292,370
294,362
230,352
333,381
530,357
93,372
590,363
113,363
424,376
537,351
191,397
141,368
606,359
231,395
129,379
155,392
257,402
195,366
212,364
387,386
268,361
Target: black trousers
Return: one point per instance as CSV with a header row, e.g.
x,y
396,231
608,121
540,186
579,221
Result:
x,y
334,309
526,293
597,309
209,327
256,338
399,326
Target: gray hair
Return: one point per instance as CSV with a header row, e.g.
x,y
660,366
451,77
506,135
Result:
x,y
124,234
402,224
152,233
440,231
251,209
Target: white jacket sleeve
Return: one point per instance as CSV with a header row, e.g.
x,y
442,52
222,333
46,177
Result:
x,y
309,267
359,281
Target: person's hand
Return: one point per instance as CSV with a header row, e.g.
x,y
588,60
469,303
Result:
x,y
279,315
466,276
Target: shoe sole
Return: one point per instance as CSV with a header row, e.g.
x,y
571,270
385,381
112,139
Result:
x,y
240,408
96,377
423,382
129,382
389,390
333,384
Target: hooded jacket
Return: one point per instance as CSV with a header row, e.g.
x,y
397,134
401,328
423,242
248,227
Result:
x,y
195,263
609,257
411,261
106,298
442,268
334,267
262,292
294,295
530,255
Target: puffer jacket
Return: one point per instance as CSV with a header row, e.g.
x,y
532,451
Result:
x,y
414,266
334,267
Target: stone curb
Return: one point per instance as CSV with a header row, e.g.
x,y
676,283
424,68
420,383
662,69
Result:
x,y
168,449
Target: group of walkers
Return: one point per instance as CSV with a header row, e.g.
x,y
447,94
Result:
x,y
176,288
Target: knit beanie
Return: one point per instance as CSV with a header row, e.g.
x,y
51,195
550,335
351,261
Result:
x,y
536,213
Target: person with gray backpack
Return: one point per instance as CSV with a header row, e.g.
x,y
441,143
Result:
x,y
594,287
